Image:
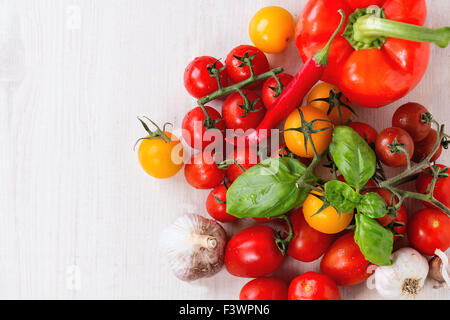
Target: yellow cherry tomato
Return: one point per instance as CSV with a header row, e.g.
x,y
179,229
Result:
x,y
161,159
335,98
328,220
271,29
321,136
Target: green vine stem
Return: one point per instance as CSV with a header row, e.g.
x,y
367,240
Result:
x,y
281,243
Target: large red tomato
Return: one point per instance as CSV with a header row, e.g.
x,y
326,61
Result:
x,y
344,262
253,253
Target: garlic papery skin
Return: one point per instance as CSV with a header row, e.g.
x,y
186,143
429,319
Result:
x,y
405,278
439,269
194,247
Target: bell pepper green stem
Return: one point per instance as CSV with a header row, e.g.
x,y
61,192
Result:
x,y
321,57
369,27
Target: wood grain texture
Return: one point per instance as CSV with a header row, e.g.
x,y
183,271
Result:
x,y
74,74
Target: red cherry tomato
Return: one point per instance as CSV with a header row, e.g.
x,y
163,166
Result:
x,y
243,159
197,79
194,129
441,188
428,230
344,262
390,137
402,214
409,117
313,286
269,91
202,172
253,253
237,73
216,204
265,288
424,147
366,131
308,244
234,115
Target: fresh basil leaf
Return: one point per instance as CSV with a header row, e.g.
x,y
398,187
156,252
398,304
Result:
x,y
374,241
354,158
341,196
268,189
372,205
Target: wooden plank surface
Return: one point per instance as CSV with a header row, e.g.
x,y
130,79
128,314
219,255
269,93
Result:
x,y
79,218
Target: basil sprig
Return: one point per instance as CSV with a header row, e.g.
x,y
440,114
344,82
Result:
x,y
268,189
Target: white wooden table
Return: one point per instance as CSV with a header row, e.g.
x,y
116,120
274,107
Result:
x,y
79,218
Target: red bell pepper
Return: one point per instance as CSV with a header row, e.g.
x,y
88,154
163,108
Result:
x,y
382,53
293,95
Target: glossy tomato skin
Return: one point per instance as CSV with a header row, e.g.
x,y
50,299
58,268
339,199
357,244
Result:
x,y
238,74
235,117
194,130
366,131
295,140
371,77
218,210
323,91
243,157
313,286
202,172
197,80
268,94
441,188
264,288
308,244
428,230
271,29
423,148
409,117
402,214
252,252
386,138
344,262
159,158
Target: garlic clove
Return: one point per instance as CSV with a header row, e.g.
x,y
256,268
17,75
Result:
x,y
439,268
194,247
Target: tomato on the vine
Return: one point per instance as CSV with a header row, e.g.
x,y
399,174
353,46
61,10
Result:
x,y
441,189
327,220
235,115
264,288
414,119
428,230
202,171
307,244
216,204
398,223
194,131
389,145
237,72
321,131
313,286
271,91
197,79
252,252
335,102
344,262
366,131
241,159
424,147
271,29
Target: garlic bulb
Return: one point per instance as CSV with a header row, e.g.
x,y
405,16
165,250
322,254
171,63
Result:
x,y
194,247
404,278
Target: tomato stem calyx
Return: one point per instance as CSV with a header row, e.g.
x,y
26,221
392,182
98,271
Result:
x,y
157,134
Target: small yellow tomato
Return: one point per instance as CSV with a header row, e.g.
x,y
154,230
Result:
x,y
271,29
328,220
161,159
321,130
333,94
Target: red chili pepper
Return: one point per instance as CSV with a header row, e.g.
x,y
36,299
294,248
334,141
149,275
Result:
x,y
293,95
